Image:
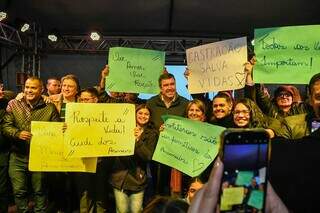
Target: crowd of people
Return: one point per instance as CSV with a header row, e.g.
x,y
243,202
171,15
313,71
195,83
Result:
x,y
134,183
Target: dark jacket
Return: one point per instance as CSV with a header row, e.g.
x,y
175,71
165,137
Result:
x,y
158,108
18,118
4,142
269,107
129,172
298,126
293,169
226,122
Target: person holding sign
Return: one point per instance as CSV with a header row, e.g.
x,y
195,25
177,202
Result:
x,y
196,110
104,96
286,102
17,125
167,102
246,114
92,187
70,87
296,117
128,177
69,92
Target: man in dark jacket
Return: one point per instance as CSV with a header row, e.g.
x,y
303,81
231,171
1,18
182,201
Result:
x,y
303,124
17,127
167,102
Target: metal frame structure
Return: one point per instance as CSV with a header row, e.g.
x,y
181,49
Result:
x,y
174,47
11,36
24,45
33,44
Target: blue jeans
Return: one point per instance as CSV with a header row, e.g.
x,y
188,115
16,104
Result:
x,y
128,202
19,174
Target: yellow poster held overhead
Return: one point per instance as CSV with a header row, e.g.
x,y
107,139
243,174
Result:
x,y
99,130
46,151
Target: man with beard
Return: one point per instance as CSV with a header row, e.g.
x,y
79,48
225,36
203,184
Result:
x,y
167,102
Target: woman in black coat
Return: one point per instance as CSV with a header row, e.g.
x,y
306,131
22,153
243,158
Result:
x,y
129,178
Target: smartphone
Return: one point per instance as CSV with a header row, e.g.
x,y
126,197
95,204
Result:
x,y
245,154
315,125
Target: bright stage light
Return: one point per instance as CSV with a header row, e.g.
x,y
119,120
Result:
x,y
3,16
52,38
95,36
25,27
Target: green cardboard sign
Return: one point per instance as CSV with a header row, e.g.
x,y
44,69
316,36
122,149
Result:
x,y
256,199
287,54
187,145
244,178
134,70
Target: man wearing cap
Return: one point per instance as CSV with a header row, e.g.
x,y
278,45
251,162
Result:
x,y
286,101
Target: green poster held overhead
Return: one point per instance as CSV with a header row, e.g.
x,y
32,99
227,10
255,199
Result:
x,y
134,70
186,145
287,54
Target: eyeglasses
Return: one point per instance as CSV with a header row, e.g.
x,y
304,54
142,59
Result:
x,y
238,112
284,95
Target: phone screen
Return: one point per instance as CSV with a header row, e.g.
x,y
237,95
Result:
x,y
245,158
315,124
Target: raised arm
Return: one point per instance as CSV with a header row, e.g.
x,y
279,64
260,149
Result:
x,y
104,73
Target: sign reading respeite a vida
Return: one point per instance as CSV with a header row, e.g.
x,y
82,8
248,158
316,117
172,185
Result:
x,y
95,130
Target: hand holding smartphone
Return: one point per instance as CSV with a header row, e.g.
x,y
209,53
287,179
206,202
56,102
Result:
x,y
245,154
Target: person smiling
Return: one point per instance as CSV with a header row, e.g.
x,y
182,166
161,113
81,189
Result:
x,y
246,114
222,105
69,91
17,127
196,110
286,101
167,102
129,176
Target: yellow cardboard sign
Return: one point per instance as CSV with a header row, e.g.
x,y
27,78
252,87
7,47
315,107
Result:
x,y
233,195
95,130
46,151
